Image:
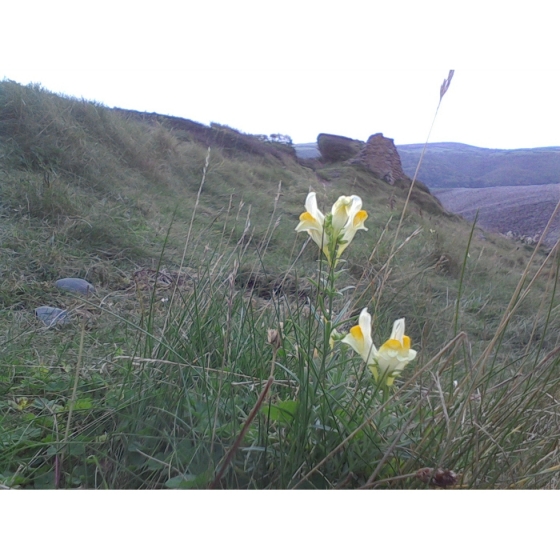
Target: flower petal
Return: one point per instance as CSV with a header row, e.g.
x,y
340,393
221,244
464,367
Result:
x,y
307,221
355,339
341,213
393,356
359,338
313,209
359,219
356,219
398,330
312,221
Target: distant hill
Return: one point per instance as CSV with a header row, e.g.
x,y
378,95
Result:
x,y
453,165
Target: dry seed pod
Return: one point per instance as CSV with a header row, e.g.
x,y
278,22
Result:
x,y
442,478
274,338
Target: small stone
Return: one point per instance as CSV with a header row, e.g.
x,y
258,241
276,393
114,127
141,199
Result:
x,y
52,315
75,285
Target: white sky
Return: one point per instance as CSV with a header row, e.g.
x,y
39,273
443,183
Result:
x,y
303,67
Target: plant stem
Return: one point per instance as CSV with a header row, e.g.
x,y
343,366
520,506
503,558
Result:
x,y
241,435
59,461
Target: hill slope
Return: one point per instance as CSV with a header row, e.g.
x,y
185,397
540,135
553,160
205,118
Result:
x,y
110,181
206,298
96,192
452,165
523,210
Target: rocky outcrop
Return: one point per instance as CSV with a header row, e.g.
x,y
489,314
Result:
x,y
335,148
380,156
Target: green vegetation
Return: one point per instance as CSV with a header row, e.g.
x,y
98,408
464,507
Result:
x,y
204,358
452,165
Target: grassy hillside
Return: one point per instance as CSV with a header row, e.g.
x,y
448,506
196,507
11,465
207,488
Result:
x,y
452,165
187,233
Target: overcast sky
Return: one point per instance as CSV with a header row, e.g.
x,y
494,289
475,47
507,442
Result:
x,y
303,67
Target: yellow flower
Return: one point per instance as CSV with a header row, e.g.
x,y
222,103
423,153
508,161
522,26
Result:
x,y
20,403
341,212
359,338
356,219
312,221
391,358
346,218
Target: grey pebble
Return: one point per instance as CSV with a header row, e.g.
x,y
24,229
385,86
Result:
x,y
75,285
52,315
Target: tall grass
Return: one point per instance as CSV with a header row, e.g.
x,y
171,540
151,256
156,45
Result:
x,y
170,399
215,367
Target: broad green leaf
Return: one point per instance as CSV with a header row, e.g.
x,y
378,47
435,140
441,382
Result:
x,y
83,404
189,481
283,411
76,449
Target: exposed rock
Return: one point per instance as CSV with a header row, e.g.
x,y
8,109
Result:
x,y
380,156
52,315
335,148
527,239
75,285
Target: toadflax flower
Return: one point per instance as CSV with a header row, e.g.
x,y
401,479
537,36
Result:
x,y
312,221
347,210
393,355
338,228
